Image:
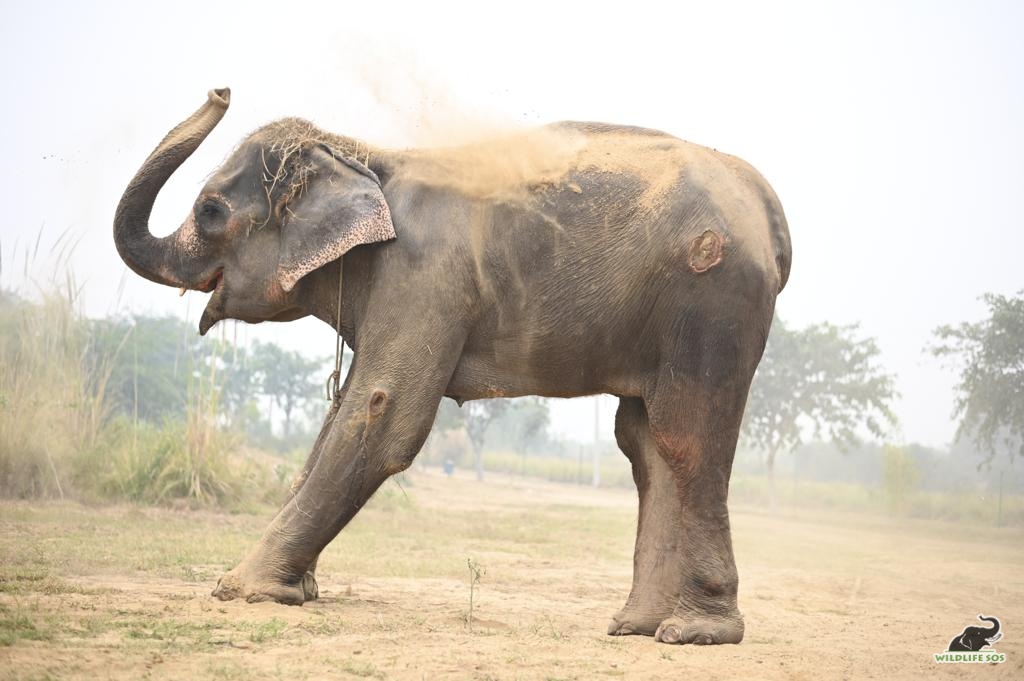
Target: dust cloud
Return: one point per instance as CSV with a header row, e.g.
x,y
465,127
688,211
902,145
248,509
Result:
x,y
491,155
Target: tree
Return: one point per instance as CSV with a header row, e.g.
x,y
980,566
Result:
x,y
286,377
475,416
529,420
824,378
239,386
523,426
155,361
900,476
479,414
990,392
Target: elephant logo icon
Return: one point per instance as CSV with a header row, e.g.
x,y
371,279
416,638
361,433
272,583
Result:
x,y
975,638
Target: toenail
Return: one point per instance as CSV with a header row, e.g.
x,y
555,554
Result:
x,y
670,635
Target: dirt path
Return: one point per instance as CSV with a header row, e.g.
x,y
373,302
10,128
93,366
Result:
x,y
123,593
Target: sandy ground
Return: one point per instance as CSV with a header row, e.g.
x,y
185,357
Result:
x,y
124,593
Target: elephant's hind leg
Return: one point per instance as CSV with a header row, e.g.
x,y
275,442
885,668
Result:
x,y
695,423
659,551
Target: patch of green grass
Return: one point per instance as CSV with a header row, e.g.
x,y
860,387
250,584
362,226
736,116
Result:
x,y
89,627
227,669
15,625
83,540
262,632
363,669
169,631
18,580
322,626
547,628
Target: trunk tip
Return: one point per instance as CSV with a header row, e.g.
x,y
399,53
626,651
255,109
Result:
x,y
220,96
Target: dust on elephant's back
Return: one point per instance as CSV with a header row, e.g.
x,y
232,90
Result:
x,y
569,193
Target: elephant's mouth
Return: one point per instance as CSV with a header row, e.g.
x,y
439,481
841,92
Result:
x,y
208,284
241,308
213,282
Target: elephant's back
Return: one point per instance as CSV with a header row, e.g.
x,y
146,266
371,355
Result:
x,y
568,196
585,249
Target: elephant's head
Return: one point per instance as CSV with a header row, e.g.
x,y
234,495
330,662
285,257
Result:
x,y
289,200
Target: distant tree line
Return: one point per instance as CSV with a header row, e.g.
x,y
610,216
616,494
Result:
x,y
825,382
157,362
818,383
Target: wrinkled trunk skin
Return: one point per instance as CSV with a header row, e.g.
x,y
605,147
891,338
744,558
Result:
x,y
173,260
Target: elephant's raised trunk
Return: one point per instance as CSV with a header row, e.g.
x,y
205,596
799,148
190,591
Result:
x,y
164,260
994,629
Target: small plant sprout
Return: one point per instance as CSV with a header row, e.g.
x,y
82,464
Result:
x,y
475,573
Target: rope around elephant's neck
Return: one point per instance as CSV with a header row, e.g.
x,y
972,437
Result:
x,y
334,380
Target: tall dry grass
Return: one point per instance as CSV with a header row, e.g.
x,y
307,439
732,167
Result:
x,y
60,436
181,460
52,404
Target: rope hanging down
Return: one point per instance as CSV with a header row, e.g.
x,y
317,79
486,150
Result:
x,y
334,380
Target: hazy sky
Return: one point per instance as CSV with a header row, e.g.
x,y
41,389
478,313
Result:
x,y
891,131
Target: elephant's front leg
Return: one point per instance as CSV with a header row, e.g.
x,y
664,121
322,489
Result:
x,y
309,586
383,420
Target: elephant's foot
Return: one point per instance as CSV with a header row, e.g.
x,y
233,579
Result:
x,y
640,616
628,622
254,588
700,629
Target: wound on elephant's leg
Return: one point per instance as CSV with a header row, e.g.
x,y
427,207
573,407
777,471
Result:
x,y
378,403
297,483
682,449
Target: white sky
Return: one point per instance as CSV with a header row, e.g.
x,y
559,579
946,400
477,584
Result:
x,y
891,131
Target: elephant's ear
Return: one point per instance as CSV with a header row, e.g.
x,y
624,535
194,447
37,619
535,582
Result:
x,y
342,207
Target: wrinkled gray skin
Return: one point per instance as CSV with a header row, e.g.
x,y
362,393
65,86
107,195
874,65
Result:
x,y
646,268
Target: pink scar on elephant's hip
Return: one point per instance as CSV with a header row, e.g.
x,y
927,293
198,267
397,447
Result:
x,y
705,251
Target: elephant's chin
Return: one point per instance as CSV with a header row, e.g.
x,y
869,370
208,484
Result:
x,y
208,319
214,311
289,315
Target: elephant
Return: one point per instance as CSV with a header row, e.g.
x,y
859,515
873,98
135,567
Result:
x,y
976,638
565,260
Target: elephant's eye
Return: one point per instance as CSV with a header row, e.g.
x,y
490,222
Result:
x,y
210,217
209,209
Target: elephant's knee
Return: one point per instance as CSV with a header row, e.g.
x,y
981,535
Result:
x,y
394,433
397,465
401,455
